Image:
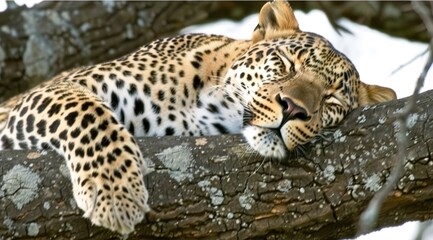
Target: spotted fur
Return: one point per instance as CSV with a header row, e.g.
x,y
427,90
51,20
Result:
x,y
280,89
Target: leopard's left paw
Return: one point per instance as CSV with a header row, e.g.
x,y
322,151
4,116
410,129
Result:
x,y
113,195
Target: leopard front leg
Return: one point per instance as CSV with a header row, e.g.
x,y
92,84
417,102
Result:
x,y
105,163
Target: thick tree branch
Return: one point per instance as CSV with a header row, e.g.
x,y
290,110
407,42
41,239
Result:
x,y
215,187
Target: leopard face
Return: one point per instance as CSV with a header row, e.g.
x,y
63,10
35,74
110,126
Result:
x,y
294,84
293,89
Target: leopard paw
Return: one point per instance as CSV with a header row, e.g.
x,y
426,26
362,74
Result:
x,y
113,196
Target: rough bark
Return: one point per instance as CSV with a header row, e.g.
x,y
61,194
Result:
x,y
37,43
216,188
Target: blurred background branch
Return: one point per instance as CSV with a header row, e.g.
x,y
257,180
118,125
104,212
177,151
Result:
x,y
396,18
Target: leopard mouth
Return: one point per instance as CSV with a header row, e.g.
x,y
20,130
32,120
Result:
x,y
248,115
261,136
266,141
277,131
287,117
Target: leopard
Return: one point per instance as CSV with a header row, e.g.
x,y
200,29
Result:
x,y
280,88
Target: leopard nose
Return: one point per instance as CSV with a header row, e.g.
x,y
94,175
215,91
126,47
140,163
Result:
x,y
292,110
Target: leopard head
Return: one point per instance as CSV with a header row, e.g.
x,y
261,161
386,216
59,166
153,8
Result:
x,y
293,84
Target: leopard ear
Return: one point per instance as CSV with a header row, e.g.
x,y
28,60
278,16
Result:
x,y
372,94
275,19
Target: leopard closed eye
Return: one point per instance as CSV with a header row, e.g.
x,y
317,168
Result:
x,y
280,89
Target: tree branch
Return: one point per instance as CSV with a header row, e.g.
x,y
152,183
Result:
x,y
214,187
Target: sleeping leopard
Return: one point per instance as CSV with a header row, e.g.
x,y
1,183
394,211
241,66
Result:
x,y
280,89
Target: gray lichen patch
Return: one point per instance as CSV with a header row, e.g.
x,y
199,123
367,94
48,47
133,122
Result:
x,y
9,223
246,200
355,190
396,126
73,203
373,183
150,165
329,173
65,171
20,185
284,185
33,229
216,195
110,5
47,205
179,161
411,120
361,119
338,136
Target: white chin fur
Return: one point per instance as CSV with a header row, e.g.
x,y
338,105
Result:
x,y
265,142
